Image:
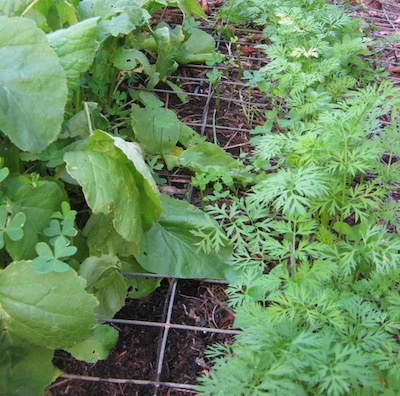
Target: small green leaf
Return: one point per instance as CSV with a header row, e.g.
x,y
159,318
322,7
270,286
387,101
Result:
x,y
98,346
62,250
43,250
138,286
14,228
4,172
105,281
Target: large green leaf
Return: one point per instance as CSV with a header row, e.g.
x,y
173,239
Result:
x,y
76,48
24,369
12,8
115,179
37,202
170,248
197,48
157,129
33,89
102,237
98,346
50,310
105,281
201,157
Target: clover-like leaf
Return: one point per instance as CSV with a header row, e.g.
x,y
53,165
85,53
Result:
x,y
53,229
61,249
47,261
14,228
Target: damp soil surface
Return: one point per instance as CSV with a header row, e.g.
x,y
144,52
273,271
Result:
x,y
137,353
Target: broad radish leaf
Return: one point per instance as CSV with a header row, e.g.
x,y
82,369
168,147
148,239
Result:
x,y
105,281
37,203
33,89
98,346
102,237
203,156
76,48
50,310
156,129
197,48
138,286
25,369
115,179
170,248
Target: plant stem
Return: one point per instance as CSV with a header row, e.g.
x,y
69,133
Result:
x,y
89,121
30,6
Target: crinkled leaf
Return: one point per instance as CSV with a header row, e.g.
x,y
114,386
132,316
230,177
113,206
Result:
x,y
156,129
98,346
103,238
51,310
118,16
115,179
105,281
170,248
76,48
33,90
138,286
25,369
38,204
105,8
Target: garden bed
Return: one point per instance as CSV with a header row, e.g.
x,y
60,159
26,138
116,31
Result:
x,y
163,336
225,119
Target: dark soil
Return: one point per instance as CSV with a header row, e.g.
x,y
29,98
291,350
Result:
x,y
135,355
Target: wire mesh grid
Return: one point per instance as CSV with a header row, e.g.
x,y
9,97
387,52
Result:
x,y
229,125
